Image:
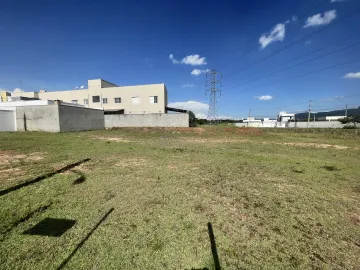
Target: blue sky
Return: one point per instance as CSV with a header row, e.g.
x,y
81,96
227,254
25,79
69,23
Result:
x,y
57,45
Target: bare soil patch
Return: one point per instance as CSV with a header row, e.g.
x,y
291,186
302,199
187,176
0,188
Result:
x,y
8,157
191,130
319,145
213,140
132,162
112,139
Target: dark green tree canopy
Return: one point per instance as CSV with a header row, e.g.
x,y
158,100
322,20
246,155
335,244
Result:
x,y
351,119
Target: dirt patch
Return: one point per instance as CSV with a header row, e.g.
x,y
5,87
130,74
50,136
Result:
x,y
188,130
12,172
8,157
112,139
318,145
212,140
132,162
248,131
355,218
35,156
172,167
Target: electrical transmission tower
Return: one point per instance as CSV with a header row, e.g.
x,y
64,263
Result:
x,y
213,85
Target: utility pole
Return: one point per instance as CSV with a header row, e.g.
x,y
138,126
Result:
x,y
249,117
346,110
213,79
309,114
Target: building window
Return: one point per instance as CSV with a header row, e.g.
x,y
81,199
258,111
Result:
x,y
117,100
96,99
74,101
104,100
135,100
154,99
86,101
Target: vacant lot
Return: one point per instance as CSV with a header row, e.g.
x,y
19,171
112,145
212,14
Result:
x,y
276,199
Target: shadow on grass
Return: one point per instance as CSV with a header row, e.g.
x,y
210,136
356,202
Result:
x,y
85,239
330,168
28,216
81,179
213,247
54,227
214,251
42,177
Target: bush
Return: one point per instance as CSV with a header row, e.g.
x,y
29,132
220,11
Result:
x,y
349,127
192,119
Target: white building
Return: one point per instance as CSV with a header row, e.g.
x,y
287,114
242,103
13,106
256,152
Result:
x,y
100,94
285,117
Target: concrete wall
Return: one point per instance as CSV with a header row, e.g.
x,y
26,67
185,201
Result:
x,y
7,120
77,118
147,120
318,124
38,118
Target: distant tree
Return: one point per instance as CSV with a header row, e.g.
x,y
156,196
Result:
x,y
192,119
352,119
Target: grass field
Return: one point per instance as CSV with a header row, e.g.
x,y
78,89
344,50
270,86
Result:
x,y
276,199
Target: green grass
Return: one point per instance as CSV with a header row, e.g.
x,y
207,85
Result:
x,y
277,199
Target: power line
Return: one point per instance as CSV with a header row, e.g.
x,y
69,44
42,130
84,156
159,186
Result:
x,y
299,64
302,75
291,23
318,50
300,40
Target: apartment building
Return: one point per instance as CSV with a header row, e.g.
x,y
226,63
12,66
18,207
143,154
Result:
x,y
100,94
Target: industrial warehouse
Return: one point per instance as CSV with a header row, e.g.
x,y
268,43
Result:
x,y
102,105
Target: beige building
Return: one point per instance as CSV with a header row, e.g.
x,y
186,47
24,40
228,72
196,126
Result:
x,y
5,96
141,99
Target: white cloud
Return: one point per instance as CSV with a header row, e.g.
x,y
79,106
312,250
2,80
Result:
x,y
200,109
188,85
277,33
352,75
173,59
308,42
321,19
18,90
294,18
264,97
197,72
194,60
334,1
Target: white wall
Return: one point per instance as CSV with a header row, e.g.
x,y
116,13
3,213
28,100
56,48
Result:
x,y
21,103
7,120
318,124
